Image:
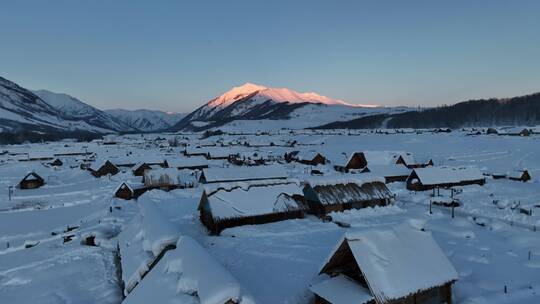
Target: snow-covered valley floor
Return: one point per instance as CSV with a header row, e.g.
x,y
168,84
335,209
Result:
x,y
44,259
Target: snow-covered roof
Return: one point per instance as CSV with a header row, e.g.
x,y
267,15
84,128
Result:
x,y
213,175
245,185
399,261
188,274
330,192
122,185
187,162
256,200
517,173
169,176
342,290
342,159
307,155
389,170
142,240
95,166
358,179
446,175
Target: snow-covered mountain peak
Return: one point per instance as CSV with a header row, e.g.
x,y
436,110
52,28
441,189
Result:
x,y
235,94
262,93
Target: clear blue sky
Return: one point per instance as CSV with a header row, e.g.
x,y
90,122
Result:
x,y
176,55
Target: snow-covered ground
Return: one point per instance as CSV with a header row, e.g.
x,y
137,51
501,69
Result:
x,y
45,256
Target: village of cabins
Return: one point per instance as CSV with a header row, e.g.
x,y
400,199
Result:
x,y
236,183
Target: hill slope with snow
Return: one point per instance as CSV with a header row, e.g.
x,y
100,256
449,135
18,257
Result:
x,y
146,120
23,111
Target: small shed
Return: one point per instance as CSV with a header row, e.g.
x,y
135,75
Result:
x,y
254,204
444,177
492,131
103,168
519,175
324,196
31,181
388,265
525,132
56,162
356,160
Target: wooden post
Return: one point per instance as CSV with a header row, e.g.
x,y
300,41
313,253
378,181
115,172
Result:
x,y
453,206
505,289
529,255
430,207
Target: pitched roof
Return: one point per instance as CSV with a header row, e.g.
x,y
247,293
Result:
x,y
349,190
169,176
187,162
255,200
447,175
389,170
399,261
213,175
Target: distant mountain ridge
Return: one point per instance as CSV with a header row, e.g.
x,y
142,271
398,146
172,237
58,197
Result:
x,y
44,115
515,111
74,108
27,115
146,120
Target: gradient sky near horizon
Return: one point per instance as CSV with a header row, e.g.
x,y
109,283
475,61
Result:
x,y
176,55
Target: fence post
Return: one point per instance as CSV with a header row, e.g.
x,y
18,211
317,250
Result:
x,y
453,206
10,192
430,207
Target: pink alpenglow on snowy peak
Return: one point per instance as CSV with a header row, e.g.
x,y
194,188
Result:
x,y
277,95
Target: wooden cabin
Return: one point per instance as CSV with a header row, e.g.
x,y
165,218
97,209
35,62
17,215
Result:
x,y
519,175
104,168
310,158
258,204
325,196
31,181
409,161
386,266
128,192
356,160
138,169
428,178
